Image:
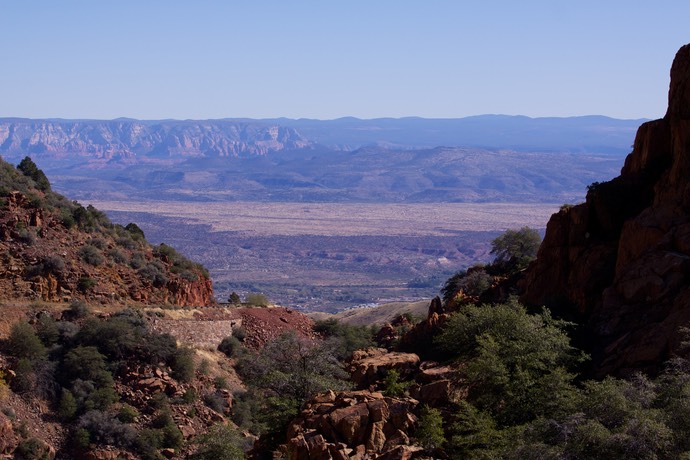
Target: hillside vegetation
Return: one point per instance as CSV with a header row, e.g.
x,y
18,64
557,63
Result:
x,y
53,249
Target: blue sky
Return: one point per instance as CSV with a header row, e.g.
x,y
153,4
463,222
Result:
x,y
325,59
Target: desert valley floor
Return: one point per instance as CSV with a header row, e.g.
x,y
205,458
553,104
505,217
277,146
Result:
x,y
341,254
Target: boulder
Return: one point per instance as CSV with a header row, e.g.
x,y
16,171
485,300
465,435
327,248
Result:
x,y
433,394
356,425
8,440
366,367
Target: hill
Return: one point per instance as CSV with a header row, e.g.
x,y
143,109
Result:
x,y
52,249
378,315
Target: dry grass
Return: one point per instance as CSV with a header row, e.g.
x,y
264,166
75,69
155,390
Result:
x,y
346,219
177,314
378,315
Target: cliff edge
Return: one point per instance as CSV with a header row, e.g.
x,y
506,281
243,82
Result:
x,y
620,263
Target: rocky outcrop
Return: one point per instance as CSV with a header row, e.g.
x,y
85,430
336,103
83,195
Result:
x,y
366,367
620,262
369,423
353,425
420,338
129,139
185,292
8,439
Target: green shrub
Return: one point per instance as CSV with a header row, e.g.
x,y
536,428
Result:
x,y
189,396
183,365
86,363
127,242
118,337
153,272
127,414
257,300
172,436
67,407
221,383
147,443
187,275
204,367
473,282
159,348
80,439
344,338
516,364
230,346
25,377
222,442
239,332
392,386
101,398
474,435
26,236
53,264
29,169
86,284
67,218
103,428
32,449
24,343
79,309
161,402
429,432
47,330
118,257
135,231
515,249
138,260
98,243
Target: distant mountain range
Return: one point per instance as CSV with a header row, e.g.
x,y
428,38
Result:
x,y
129,139
574,134
482,158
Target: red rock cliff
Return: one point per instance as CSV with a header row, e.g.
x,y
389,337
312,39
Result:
x,y
620,262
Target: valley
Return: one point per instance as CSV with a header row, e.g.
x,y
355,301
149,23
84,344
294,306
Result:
x,y
329,256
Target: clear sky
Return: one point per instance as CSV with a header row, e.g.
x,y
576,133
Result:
x,y
154,59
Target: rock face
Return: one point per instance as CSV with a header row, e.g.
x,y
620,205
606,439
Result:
x,y
366,367
128,139
353,425
620,262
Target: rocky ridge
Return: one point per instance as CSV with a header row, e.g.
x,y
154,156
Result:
x,y
131,139
57,251
620,262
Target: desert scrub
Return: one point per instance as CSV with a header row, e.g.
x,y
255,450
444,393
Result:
x,y
91,255
257,300
118,257
86,284
97,243
138,260
153,272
